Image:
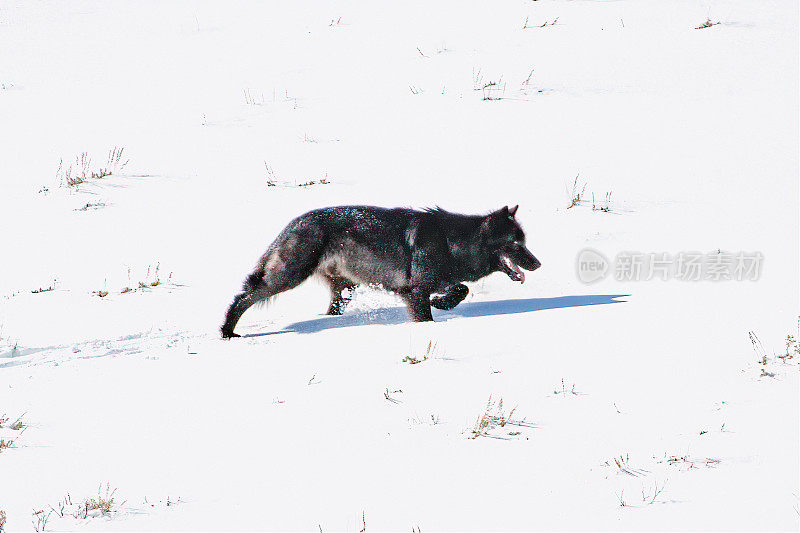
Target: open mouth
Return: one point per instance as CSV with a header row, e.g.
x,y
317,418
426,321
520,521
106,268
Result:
x,y
511,269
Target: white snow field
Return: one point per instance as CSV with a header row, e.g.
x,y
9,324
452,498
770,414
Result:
x,y
637,404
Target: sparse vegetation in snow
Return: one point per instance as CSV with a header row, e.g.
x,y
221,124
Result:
x,y
493,420
104,504
83,168
707,24
564,391
416,359
687,462
576,193
526,25
605,206
623,466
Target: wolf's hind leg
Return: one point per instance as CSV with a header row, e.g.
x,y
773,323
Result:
x,y
451,297
257,289
338,301
283,269
241,303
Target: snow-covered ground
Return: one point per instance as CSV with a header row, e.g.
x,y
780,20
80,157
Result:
x,y
636,404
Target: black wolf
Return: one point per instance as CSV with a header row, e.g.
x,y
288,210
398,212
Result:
x,y
415,254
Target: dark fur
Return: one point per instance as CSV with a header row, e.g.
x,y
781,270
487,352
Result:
x,y
415,254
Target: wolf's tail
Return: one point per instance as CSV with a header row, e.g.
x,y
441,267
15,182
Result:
x,y
289,261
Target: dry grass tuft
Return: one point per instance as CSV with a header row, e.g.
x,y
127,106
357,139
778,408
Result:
x,y
103,503
388,395
707,24
792,346
649,496
40,519
251,99
494,418
687,462
17,425
577,192
491,89
321,181
564,389
413,360
81,170
761,353
623,465
148,282
49,288
494,90
491,418
115,162
156,280
596,206
102,293
272,179
6,444
526,26
769,366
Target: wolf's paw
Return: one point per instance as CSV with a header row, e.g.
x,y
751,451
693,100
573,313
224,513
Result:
x,y
439,302
226,334
451,298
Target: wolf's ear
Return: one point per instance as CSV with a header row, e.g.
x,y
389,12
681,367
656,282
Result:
x,y
513,211
497,217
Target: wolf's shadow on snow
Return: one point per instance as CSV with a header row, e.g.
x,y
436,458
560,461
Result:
x,y
398,315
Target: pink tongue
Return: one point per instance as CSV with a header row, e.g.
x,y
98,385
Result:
x,y
516,270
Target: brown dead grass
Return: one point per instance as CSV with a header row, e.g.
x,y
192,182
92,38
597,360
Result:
x,y
707,24
414,360
577,193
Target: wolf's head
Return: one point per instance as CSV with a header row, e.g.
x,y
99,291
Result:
x,y
505,241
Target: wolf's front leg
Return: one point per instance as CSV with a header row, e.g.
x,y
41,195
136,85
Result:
x,y
419,305
451,297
